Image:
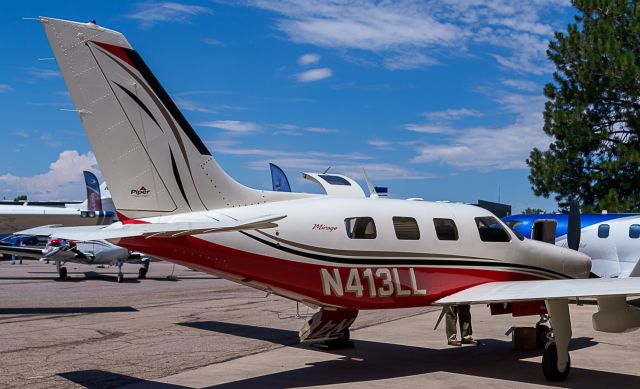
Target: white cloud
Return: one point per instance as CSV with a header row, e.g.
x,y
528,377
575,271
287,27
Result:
x,y
429,128
193,106
43,73
518,32
321,130
235,126
314,75
23,133
452,114
350,164
152,12
523,85
485,148
308,59
212,42
5,88
439,122
63,181
408,61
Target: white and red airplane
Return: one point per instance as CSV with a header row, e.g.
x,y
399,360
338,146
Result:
x,y
339,253
94,252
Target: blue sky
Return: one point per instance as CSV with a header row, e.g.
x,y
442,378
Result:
x,y
436,99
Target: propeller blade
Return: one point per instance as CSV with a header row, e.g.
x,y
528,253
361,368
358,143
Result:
x,y
573,226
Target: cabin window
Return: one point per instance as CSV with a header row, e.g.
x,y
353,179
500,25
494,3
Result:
x,y
334,180
446,229
406,228
491,230
360,227
634,231
603,231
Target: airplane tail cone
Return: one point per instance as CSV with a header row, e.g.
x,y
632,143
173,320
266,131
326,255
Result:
x,y
574,227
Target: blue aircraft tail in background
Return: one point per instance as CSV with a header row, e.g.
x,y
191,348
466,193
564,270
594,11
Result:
x,y
279,179
94,201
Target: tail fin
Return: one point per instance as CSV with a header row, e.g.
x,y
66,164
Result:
x,y
153,160
94,200
279,179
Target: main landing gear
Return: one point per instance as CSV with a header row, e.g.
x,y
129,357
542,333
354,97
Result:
x,y
62,271
542,331
556,362
142,272
329,329
120,274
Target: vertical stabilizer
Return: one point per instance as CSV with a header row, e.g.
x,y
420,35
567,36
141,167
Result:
x,y
279,180
151,157
94,200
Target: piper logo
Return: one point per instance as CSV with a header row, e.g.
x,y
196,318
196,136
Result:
x,y
142,192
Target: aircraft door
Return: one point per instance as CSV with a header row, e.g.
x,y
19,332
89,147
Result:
x,y
544,231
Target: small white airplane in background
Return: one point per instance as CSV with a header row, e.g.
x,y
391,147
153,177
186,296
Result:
x,y
334,252
95,252
98,208
612,240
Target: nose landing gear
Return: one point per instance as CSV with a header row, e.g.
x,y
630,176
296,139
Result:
x,y
556,362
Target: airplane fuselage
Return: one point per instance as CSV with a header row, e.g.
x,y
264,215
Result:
x,y
310,256
21,217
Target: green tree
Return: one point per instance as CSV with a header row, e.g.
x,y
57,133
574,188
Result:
x,y
20,198
533,211
593,111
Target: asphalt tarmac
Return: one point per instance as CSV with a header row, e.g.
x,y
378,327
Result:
x,y
199,331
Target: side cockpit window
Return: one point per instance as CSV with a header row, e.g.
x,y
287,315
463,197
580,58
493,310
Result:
x,y
634,231
446,229
491,230
360,227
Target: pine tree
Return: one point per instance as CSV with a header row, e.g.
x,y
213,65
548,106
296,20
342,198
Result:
x,y
593,112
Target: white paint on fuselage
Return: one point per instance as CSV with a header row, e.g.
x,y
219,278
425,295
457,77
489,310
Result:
x,y
614,256
304,214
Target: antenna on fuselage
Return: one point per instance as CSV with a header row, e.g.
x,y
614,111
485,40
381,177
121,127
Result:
x,y
326,170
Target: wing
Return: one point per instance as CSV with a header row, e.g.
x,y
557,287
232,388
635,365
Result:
x,y
26,251
153,230
496,292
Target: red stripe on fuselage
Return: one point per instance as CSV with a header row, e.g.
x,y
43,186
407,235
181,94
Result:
x,y
299,280
118,51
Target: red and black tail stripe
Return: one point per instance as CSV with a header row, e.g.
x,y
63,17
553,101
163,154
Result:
x,y
133,59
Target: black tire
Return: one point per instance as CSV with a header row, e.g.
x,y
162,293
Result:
x,y
550,365
345,335
63,273
142,273
541,335
120,278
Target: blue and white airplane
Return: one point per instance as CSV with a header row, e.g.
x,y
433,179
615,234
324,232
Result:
x,y
611,240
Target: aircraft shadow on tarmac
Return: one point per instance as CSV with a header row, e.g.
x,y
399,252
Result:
x,y
99,379
370,360
63,310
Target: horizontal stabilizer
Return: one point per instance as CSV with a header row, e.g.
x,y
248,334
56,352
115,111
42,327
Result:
x,y
154,230
496,292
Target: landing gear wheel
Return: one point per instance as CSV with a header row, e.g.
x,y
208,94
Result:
x,y
120,278
345,335
550,365
142,273
541,335
62,273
